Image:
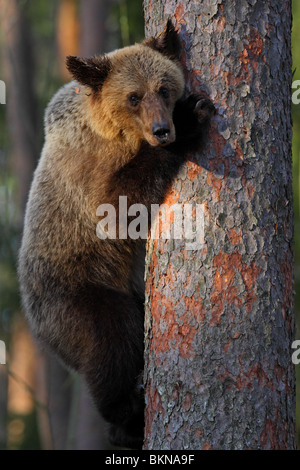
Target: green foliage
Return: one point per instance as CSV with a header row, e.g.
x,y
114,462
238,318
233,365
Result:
x,y
131,21
127,16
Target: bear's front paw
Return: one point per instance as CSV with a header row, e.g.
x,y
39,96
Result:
x,y
192,116
204,108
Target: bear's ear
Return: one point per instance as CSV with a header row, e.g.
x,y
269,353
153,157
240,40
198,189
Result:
x,y
92,71
168,42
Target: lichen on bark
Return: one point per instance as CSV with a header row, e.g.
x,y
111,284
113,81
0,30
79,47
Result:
x,y
219,320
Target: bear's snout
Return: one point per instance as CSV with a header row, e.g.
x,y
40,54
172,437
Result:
x,y
161,131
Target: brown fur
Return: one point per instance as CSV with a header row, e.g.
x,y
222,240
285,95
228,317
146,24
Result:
x,y
110,116
84,296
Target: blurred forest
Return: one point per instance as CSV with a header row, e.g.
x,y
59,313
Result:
x,y
42,406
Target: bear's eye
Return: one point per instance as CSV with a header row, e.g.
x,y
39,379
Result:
x,y
164,92
134,99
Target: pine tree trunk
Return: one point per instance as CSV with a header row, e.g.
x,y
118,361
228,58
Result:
x,y
219,319
21,97
93,30
67,34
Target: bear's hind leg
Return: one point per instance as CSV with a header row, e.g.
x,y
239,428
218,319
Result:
x,y
115,363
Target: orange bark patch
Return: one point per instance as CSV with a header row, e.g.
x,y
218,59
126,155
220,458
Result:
x,y
238,152
246,379
235,237
199,433
179,12
195,308
250,191
275,435
224,291
249,275
249,57
166,330
171,198
166,216
193,78
269,435
216,182
237,158
232,81
221,24
150,278
206,446
252,51
255,47
227,346
193,170
187,402
237,334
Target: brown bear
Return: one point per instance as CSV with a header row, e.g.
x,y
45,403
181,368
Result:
x,y
122,128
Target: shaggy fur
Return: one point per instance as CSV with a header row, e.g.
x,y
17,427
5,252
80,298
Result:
x,y
84,296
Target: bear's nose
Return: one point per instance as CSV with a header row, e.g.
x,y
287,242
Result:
x,y
161,131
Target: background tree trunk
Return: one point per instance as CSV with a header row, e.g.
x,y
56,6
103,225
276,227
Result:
x,y
21,98
67,34
21,111
219,321
93,30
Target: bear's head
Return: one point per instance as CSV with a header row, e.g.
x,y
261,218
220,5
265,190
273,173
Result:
x,y
132,91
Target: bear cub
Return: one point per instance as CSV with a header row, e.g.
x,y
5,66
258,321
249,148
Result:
x,y
123,127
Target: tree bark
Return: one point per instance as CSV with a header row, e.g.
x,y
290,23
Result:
x,y
219,320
